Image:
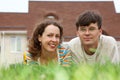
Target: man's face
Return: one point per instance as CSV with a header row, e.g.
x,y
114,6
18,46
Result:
x,y
89,35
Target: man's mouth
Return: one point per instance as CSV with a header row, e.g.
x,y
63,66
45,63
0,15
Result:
x,y
87,39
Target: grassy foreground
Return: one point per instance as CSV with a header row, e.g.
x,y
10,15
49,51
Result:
x,y
56,72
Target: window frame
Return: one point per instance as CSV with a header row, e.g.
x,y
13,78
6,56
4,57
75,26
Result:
x,y
14,43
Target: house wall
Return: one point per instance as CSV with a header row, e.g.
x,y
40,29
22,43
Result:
x,y
8,55
66,12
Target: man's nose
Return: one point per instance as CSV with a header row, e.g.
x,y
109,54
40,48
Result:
x,y
87,31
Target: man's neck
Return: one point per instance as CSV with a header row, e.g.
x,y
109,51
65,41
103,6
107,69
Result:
x,y
90,50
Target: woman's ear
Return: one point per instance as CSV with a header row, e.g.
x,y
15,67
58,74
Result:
x,y
39,38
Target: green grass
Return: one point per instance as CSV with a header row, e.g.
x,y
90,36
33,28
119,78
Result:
x,y
56,72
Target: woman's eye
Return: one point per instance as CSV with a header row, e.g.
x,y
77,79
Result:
x,y
58,36
49,35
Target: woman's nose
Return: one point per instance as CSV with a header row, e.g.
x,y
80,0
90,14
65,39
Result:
x,y
54,39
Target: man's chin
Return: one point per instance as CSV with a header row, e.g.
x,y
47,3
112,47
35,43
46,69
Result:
x,y
87,43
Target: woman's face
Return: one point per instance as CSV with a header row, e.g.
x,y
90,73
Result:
x,y
50,39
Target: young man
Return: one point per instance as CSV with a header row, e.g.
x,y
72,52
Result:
x,y
91,45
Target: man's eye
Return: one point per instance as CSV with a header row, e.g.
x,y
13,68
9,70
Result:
x,y
92,29
82,29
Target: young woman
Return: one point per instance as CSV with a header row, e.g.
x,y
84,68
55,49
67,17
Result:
x,y
44,46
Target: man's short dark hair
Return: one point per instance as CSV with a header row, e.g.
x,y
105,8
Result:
x,y
88,17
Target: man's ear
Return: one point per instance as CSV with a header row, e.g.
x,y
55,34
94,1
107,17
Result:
x,y
101,31
77,33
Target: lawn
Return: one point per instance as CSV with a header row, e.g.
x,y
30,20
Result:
x,y
56,72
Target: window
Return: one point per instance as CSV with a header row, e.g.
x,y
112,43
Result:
x,y
51,16
15,44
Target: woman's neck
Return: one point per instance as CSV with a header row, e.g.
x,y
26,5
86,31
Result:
x,y
47,57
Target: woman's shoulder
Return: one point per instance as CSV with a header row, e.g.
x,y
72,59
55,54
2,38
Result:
x,y
64,55
27,55
28,58
63,49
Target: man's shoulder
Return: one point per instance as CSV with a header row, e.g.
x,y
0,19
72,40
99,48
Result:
x,y
107,39
75,44
75,40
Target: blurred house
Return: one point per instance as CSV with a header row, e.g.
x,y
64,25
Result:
x,y
16,28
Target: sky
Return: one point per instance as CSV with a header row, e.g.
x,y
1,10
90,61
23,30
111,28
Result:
x,y
70,0
117,5
17,6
